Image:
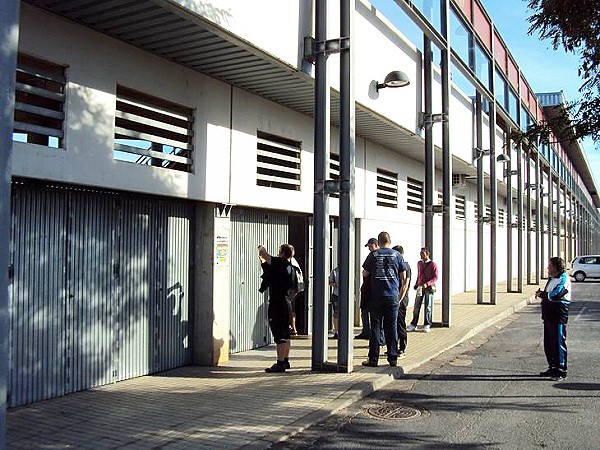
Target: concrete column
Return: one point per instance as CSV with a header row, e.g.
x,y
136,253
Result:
x,y
211,301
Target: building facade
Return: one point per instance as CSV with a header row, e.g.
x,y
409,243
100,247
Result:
x,y
158,143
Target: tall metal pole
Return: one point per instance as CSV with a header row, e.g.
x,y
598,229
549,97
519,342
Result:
x,y
509,214
550,213
520,218
539,209
480,195
447,173
321,199
558,216
543,221
347,158
493,205
9,39
528,225
429,155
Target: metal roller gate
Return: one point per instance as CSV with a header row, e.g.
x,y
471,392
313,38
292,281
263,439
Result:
x,y
99,289
248,323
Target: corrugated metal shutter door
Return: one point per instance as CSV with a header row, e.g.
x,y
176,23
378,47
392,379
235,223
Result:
x,y
172,308
37,296
135,290
99,289
249,324
90,283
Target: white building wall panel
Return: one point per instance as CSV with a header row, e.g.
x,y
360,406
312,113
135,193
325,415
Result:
x,y
88,158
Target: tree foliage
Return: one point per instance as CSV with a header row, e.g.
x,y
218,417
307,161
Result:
x,y
573,25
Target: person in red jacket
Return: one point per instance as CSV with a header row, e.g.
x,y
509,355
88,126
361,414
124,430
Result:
x,y
427,275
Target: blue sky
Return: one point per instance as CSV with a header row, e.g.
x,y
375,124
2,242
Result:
x,y
546,69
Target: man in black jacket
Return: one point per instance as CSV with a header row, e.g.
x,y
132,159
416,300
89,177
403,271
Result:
x,y
278,277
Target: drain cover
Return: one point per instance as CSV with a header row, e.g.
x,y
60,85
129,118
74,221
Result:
x,y
395,411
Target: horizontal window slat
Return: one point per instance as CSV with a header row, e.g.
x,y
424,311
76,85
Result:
x,y
386,204
149,137
278,144
267,166
145,105
22,87
268,154
273,178
153,154
37,72
37,129
38,110
153,123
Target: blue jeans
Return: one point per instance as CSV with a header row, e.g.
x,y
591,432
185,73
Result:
x,y
384,309
427,298
366,326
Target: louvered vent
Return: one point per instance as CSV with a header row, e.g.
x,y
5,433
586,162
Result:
x,y
39,102
277,162
387,189
460,207
501,218
414,195
152,131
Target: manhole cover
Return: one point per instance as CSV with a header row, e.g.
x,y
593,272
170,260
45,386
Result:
x,y
395,411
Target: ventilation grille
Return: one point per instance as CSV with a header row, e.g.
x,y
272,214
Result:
x,y
387,189
152,131
414,195
277,162
39,102
460,207
501,218
334,170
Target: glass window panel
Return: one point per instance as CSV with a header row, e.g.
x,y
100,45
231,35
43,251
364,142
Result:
x,y
523,117
459,37
500,90
482,66
513,106
462,82
400,20
432,10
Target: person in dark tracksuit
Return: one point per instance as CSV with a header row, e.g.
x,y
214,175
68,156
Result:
x,y
556,298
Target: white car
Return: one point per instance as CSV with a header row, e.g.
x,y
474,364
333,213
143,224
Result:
x,y
587,266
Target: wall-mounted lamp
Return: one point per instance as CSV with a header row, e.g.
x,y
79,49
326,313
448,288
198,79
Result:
x,y
394,79
479,153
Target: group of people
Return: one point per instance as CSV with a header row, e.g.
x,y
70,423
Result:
x,y
384,298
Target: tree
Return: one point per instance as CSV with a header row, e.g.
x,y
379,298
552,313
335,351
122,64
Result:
x,y
573,25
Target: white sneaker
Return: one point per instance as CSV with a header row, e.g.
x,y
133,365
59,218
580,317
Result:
x,y
427,328
411,328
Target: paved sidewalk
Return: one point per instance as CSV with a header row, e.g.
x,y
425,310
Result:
x,y
236,405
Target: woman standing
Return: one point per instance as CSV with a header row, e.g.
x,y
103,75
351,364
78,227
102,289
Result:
x,y
556,298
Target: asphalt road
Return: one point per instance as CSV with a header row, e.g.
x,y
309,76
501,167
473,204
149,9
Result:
x,y
485,393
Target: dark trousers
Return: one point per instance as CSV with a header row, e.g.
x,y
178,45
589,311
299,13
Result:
x,y
366,326
401,326
555,344
384,309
